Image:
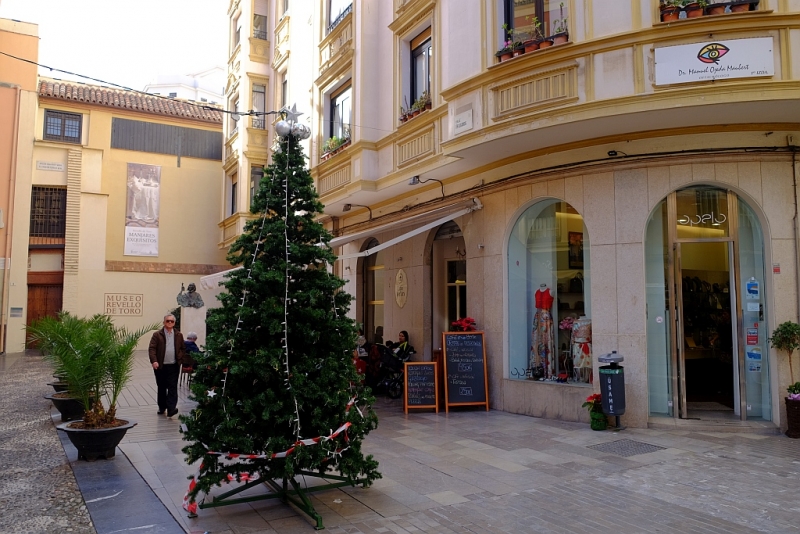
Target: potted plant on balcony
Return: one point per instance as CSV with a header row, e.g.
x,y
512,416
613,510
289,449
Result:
x,y
694,8
507,52
716,8
560,28
740,6
533,34
403,114
96,358
670,10
786,338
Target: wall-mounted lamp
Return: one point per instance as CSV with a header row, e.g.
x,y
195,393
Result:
x,y
348,207
415,180
461,254
615,153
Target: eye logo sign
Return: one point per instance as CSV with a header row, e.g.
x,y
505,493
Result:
x,y
711,53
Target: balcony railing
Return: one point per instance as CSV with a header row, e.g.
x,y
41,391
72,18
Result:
x,y
340,18
259,123
260,34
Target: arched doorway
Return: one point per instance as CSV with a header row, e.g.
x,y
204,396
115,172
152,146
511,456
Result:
x,y
372,291
705,271
449,284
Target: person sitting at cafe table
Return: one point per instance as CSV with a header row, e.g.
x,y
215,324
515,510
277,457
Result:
x,y
403,348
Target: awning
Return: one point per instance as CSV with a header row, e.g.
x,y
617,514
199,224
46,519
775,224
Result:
x,y
473,205
212,281
414,219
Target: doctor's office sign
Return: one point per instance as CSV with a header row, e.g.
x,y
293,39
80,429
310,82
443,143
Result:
x,y
715,60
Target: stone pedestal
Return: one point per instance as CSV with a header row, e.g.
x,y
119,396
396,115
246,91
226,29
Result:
x,y
194,320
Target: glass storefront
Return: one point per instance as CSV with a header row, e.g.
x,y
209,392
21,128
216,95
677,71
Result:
x,y
548,299
706,323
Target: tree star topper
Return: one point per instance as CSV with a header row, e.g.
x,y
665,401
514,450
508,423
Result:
x,y
212,393
292,114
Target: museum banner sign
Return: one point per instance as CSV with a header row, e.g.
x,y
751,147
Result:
x,y
141,213
715,60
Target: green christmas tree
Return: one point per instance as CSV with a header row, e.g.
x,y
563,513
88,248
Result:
x,y
278,372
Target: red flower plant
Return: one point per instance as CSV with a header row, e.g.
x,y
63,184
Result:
x,y
465,324
593,403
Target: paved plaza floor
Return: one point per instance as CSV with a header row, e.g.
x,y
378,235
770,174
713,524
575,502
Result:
x,y
472,471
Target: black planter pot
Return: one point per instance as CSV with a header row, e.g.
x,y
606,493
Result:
x,y
793,418
94,443
70,409
59,386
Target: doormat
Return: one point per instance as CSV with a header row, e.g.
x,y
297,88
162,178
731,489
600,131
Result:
x,y
626,447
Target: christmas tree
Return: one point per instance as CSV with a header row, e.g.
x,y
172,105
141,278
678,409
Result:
x,y
277,379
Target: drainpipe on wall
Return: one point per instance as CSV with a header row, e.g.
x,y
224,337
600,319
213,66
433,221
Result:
x,y
9,222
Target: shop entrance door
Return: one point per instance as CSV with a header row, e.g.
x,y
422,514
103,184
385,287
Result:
x,y
706,335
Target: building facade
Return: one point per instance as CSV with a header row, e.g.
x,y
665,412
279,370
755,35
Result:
x,y
119,209
630,189
18,109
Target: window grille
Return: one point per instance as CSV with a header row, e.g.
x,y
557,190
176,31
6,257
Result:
x,y
59,126
48,212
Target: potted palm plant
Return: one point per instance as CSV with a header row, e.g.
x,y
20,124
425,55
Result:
x,y
786,338
96,359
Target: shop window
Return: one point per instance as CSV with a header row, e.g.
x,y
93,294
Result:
x,y
60,126
523,15
548,295
337,11
373,294
259,105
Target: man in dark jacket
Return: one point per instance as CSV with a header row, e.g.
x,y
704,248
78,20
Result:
x,y
166,355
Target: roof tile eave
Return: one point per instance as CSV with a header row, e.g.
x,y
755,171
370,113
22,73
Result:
x,y
129,100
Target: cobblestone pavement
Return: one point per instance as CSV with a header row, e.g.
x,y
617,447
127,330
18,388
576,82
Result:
x,y
38,492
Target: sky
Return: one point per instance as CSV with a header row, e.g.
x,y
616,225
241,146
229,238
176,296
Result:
x,y
127,42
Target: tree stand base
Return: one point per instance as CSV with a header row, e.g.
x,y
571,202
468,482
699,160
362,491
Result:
x,y
295,494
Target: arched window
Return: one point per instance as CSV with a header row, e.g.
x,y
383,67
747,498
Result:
x,y
549,319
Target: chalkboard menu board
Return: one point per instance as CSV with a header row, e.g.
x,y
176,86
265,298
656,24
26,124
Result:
x,y
422,391
465,381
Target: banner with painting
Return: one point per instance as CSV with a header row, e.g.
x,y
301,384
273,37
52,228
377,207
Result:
x,y
141,211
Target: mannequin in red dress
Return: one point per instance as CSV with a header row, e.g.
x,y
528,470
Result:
x,y
542,338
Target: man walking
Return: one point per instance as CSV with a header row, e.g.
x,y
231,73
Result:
x,y
166,355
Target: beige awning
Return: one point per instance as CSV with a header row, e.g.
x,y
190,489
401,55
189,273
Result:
x,y
473,205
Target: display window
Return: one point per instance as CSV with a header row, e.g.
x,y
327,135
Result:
x,y
550,329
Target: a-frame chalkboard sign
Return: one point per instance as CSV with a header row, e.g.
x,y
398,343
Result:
x,y
465,379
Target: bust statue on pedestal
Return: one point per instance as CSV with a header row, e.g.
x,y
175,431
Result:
x,y
193,313
192,299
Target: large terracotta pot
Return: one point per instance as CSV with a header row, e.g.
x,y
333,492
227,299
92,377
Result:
x,y
716,9
94,443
